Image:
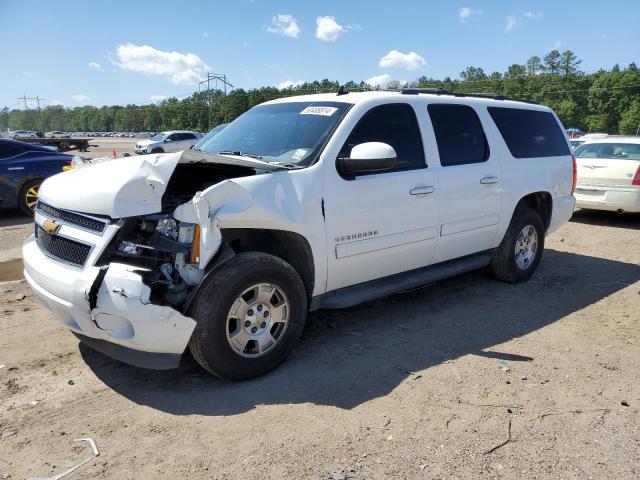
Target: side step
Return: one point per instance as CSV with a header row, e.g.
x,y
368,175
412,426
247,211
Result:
x,y
382,287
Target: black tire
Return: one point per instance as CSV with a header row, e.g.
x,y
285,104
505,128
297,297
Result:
x,y
503,264
209,344
157,150
26,200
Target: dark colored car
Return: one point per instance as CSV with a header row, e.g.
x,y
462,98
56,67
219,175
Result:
x,y
23,167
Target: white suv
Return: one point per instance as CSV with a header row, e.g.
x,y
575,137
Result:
x,y
172,141
320,201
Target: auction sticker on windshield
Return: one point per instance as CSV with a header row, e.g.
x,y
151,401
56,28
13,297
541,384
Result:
x,y
324,111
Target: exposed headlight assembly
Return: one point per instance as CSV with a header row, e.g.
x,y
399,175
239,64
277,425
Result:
x,y
168,227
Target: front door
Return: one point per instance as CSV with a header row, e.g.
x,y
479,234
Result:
x,y
383,223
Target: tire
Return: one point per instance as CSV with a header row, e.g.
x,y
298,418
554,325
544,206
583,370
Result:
x,y
508,266
28,196
217,341
157,150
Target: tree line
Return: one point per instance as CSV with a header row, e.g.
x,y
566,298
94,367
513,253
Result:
x,y
602,101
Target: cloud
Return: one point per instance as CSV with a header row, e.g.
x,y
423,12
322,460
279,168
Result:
x,y
27,74
379,81
96,66
205,34
406,61
535,15
466,13
289,84
284,24
180,68
157,98
556,45
511,23
328,30
80,98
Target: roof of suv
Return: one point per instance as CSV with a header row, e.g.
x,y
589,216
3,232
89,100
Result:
x,y
361,97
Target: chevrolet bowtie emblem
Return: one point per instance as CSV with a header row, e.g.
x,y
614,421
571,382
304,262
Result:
x,y
50,226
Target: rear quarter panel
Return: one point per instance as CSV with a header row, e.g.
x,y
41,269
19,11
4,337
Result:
x,y
523,176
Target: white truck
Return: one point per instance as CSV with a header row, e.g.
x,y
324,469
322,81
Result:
x,y
320,201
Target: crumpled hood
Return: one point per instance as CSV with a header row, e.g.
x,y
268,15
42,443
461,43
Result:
x,y
118,188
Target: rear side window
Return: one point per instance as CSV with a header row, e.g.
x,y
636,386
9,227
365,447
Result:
x,y
395,125
530,133
459,134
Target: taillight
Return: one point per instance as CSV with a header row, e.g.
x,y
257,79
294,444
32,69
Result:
x,y
575,174
636,177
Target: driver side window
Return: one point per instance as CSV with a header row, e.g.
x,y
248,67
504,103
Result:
x,y
395,125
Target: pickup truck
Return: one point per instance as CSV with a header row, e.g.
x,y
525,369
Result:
x,y
302,203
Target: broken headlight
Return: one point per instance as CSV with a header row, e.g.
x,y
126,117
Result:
x,y
168,227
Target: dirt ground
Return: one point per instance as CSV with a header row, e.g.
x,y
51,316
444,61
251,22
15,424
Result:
x,y
468,378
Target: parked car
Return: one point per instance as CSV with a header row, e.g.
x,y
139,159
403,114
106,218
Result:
x,y
172,141
609,174
23,134
319,201
57,134
23,167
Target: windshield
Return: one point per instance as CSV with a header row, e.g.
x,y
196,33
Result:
x,y
629,151
214,131
158,137
288,133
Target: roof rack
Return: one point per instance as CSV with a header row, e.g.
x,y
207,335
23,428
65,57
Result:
x,y
441,91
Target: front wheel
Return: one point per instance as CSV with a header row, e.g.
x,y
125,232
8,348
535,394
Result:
x,y
250,314
28,196
520,252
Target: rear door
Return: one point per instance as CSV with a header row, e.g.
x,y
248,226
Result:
x,y
470,182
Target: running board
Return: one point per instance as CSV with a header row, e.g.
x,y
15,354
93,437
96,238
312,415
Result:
x,y
381,287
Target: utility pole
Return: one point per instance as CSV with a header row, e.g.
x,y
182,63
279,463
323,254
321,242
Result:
x,y
219,82
37,99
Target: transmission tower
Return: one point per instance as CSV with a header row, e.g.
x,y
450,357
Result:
x,y
213,82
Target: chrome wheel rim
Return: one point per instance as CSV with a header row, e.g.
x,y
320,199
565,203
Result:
x,y
526,247
31,196
258,320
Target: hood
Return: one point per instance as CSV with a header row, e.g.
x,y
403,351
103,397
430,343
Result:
x,y
130,186
145,142
117,188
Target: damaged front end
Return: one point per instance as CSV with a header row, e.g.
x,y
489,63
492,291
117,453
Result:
x,y
127,291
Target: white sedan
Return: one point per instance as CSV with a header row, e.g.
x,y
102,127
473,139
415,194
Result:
x,y
609,174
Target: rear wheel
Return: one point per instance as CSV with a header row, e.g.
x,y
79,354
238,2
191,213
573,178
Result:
x,y
28,196
521,249
249,316
157,150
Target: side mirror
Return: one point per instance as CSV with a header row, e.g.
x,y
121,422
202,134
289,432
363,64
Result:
x,y
367,158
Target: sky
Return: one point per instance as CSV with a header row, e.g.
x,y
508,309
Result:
x,y
86,52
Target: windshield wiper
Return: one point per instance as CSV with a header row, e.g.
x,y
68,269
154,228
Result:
x,y
238,153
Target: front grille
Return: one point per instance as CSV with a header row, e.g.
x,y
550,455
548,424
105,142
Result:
x,y
62,248
89,223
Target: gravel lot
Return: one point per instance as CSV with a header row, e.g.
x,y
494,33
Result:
x,y
468,378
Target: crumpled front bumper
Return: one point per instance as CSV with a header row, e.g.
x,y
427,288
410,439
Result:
x,y
110,311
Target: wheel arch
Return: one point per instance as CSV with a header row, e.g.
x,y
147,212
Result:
x,y
291,247
541,202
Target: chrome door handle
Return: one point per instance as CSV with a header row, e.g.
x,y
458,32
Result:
x,y
489,180
422,190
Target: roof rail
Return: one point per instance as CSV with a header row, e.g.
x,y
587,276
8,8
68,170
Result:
x,y
416,91
493,96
